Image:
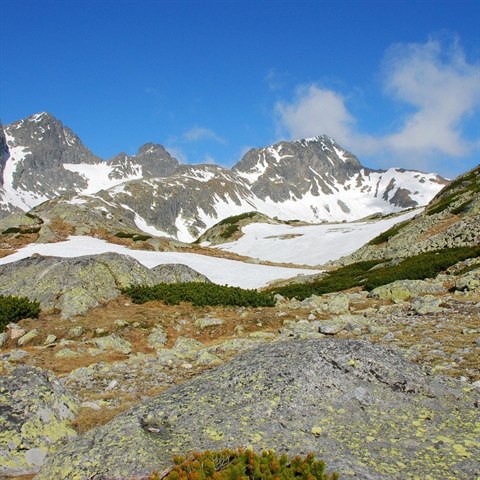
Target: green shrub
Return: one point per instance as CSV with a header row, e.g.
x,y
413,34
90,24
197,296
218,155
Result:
x,y
246,465
236,218
361,274
13,309
419,267
12,230
136,237
342,279
388,234
199,294
229,231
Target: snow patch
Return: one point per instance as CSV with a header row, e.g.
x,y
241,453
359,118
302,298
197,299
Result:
x,y
218,270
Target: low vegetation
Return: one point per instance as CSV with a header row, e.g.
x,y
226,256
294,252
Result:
x,y
136,237
237,218
13,309
388,234
245,465
200,294
22,230
362,274
466,184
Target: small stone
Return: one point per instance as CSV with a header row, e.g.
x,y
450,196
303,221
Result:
x,y
187,366
92,405
27,338
113,342
338,303
14,355
121,323
476,385
111,385
100,332
331,327
3,339
312,317
207,358
208,322
17,332
157,338
187,347
50,339
66,353
76,332
389,336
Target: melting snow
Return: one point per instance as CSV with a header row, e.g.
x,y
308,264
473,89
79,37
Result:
x,y
307,245
218,270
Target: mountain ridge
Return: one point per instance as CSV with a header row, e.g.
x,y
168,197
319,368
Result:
x,y
312,180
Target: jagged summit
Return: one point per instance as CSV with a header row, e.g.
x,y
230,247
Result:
x,y
313,179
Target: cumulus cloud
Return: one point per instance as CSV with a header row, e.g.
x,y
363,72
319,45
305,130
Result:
x,y
435,79
442,86
197,133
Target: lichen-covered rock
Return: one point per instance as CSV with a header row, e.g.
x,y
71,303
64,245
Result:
x,y
365,409
74,285
401,290
469,281
113,342
27,338
338,303
158,337
206,322
35,410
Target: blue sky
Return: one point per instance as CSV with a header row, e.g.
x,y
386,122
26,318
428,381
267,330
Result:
x,y
395,82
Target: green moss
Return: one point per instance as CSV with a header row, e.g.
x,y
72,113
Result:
x,y
136,237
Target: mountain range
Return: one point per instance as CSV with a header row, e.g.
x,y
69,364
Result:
x,y
45,165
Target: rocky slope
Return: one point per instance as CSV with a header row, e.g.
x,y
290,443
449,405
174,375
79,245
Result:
x,y
312,180
119,353
451,219
347,401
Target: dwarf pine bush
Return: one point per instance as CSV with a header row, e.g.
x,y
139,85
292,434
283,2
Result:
x,y
13,309
245,465
199,294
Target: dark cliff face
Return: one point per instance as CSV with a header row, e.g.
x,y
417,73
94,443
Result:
x,y
3,152
46,145
295,168
152,160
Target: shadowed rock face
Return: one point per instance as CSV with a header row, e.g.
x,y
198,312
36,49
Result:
x,y
73,285
364,409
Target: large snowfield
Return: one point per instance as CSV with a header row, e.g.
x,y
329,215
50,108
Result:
x,y
305,245
310,244
218,270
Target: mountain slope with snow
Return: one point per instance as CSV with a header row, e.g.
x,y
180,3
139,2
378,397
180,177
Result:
x,y
313,180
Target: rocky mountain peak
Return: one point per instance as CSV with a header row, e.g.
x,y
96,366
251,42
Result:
x,y
151,160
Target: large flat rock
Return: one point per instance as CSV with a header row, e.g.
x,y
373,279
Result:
x,y
364,409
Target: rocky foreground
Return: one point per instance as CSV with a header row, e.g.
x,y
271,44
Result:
x,y
362,384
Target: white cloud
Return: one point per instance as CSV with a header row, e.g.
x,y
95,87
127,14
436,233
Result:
x,y
435,79
314,111
209,160
197,133
178,153
442,86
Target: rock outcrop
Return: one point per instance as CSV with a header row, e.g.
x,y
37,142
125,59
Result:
x,y
74,285
365,409
35,414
